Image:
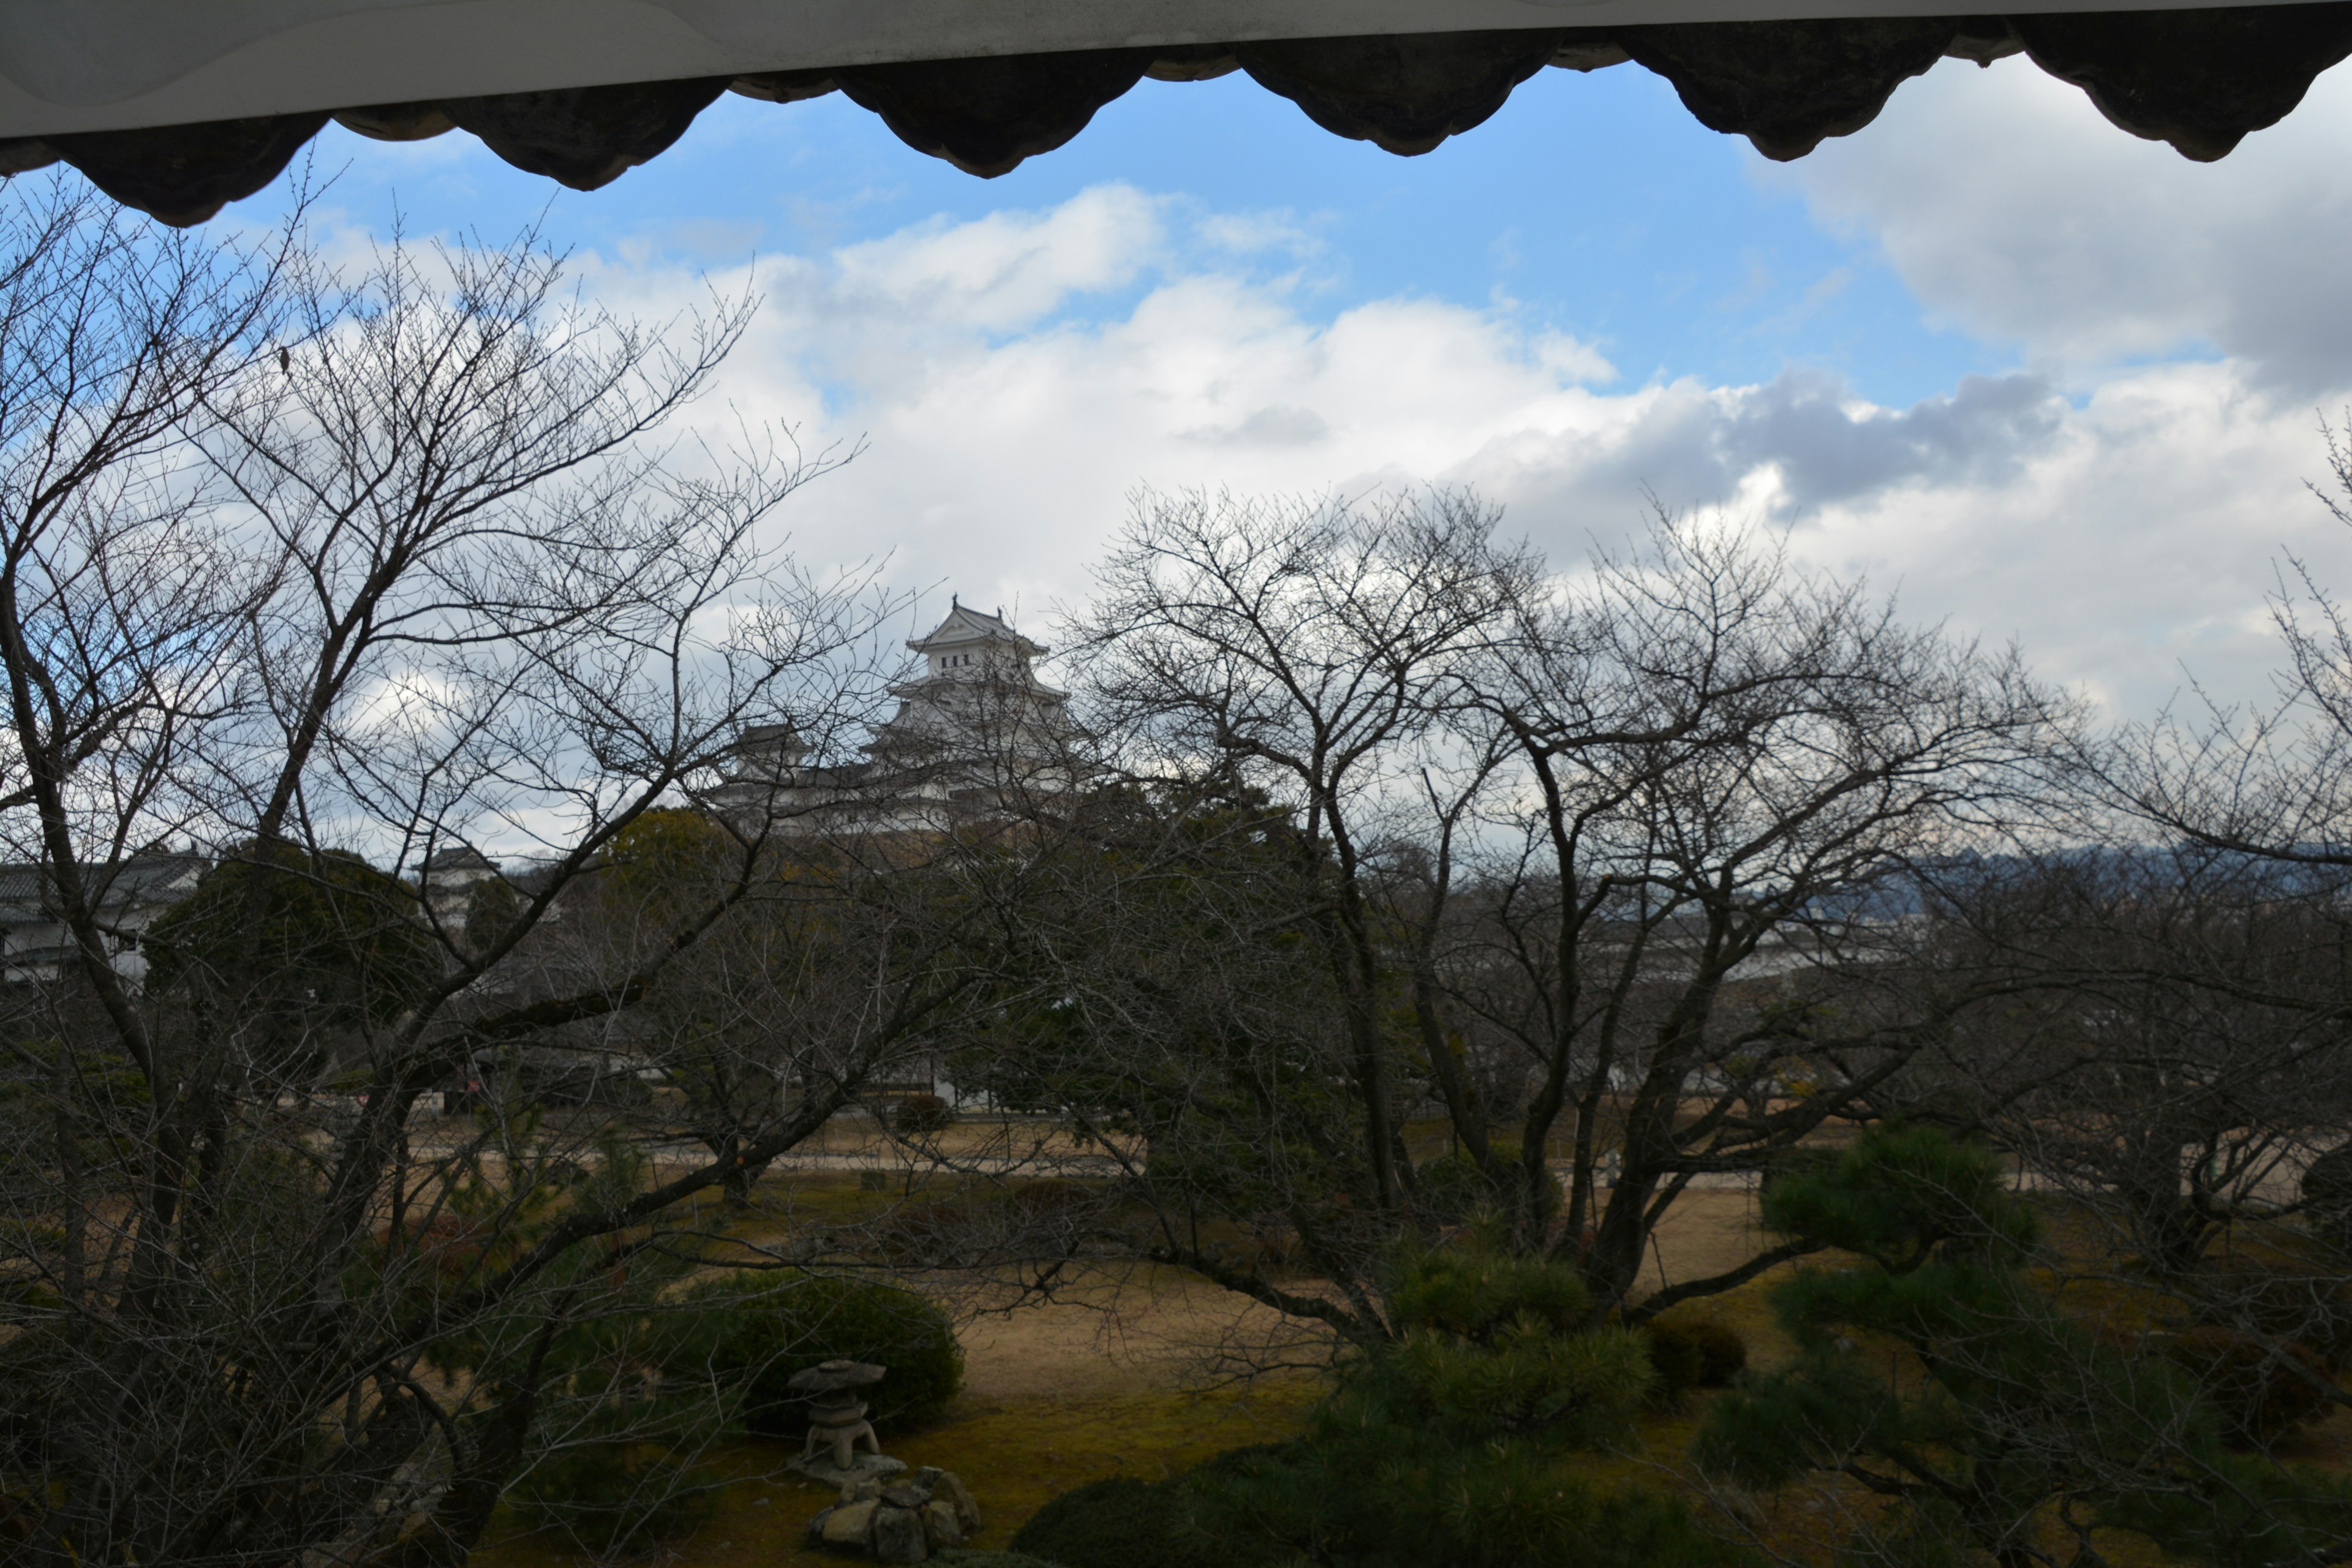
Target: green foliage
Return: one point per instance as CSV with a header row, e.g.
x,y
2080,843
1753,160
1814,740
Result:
x,y
1492,1342
2012,1406
491,906
755,1338
1694,1354
961,1557
1387,1495
1900,1195
1452,1188
612,1498
1120,1522
2327,1195
658,866
295,942
1476,1291
1209,1024
2246,1513
2260,1393
612,1455
1449,1445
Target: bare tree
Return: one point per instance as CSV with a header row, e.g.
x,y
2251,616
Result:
x,y
321,578
1417,832
1728,769
2160,1036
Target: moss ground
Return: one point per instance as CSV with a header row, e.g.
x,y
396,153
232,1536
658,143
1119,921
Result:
x,y
1013,1454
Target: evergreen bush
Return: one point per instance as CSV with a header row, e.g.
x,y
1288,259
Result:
x,y
2306,1302
1694,1355
2008,1408
2260,1395
1493,1342
1121,1522
1454,1190
1368,1490
1451,1445
2327,1195
616,1499
756,1339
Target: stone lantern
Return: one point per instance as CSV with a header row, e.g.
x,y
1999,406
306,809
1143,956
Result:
x,y
837,1420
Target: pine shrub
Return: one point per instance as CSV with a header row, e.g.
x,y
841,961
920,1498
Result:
x,y
2260,1395
1121,1522
2309,1304
756,1339
1694,1355
1454,1190
616,1499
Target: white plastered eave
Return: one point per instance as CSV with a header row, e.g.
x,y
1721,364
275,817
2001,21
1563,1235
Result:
x,y
107,65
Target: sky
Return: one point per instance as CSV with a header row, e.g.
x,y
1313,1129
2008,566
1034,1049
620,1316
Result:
x,y
2041,380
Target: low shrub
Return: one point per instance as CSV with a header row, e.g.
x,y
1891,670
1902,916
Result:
x,y
1121,1522
1452,1446
2300,1302
1400,1496
922,1113
1452,1188
612,1498
1674,1357
1495,1343
2258,1394
756,1339
2327,1195
1474,1293
35,1363
958,1557
1694,1355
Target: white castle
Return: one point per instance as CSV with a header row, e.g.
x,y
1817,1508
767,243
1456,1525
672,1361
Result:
x,y
976,737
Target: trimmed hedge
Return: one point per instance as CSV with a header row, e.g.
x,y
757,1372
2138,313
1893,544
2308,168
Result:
x,y
1121,1522
1694,1355
755,1341
616,1499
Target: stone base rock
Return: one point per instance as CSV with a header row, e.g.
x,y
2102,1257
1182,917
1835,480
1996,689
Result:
x,y
898,1521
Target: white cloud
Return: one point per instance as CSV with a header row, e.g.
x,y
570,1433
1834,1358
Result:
x,y
2117,532
2013,209
1008,269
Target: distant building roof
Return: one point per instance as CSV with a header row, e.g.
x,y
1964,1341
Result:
x,y
142,877
459,858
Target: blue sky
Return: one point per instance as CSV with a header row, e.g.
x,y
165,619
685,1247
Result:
x,y
1591,203
2051,382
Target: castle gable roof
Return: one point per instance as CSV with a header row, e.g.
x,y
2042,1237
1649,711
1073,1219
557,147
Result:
x,y
965,626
